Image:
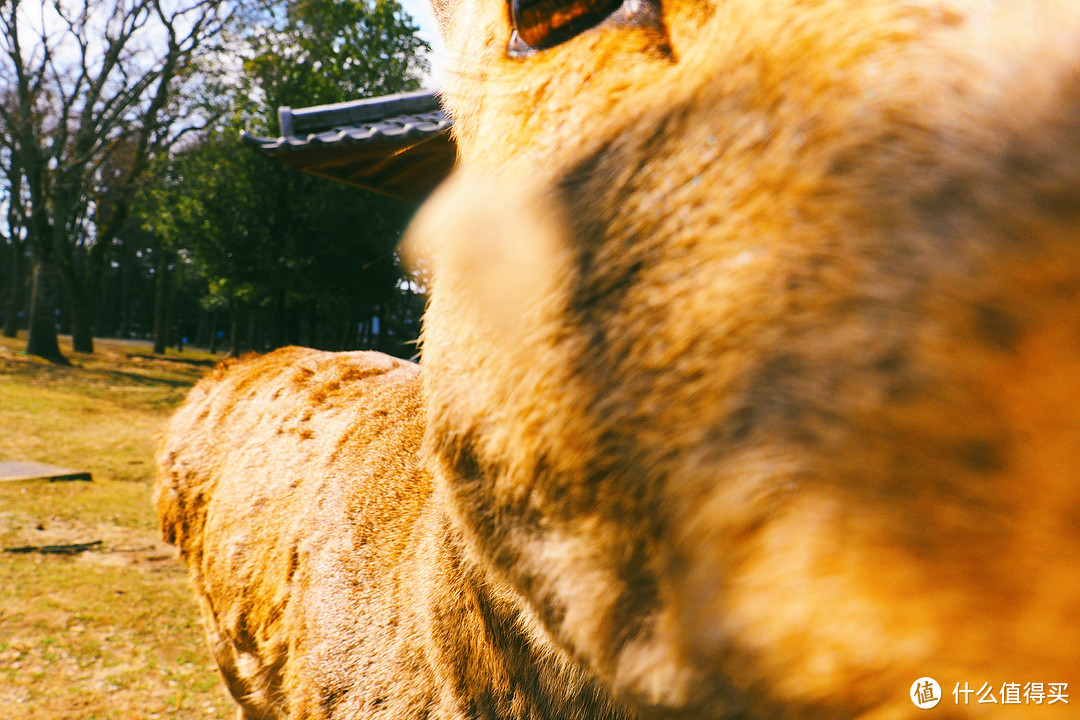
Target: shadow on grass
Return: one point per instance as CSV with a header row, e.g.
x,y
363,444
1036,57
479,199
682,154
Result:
x,y
191,362
140,379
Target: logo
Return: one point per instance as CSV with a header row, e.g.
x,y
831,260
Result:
x,y
925,693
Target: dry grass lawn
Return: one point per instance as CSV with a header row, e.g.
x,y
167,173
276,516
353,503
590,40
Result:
x,y
112,632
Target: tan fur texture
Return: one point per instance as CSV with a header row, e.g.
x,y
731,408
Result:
x,y
750,389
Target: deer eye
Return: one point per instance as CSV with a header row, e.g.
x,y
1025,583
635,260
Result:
x,y
541,24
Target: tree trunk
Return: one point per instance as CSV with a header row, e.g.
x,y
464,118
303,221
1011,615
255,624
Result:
x,y
82,325
347,336
14,304
161,303
213,332
313,324
252,331
176,311
366,335
42,340
202,318
277,319
125,299
293,324
81,278
234,328
381,339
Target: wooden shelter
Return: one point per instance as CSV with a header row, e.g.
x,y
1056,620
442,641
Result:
x,y
398,145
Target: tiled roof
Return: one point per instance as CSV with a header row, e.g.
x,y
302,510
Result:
x,y
397,144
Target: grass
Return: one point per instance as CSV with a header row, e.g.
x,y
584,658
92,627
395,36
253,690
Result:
x,y
113,632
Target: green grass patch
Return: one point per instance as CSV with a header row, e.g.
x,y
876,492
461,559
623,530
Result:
x,y
113,632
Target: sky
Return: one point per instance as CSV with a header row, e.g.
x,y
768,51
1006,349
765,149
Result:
x,y
418,9
421,13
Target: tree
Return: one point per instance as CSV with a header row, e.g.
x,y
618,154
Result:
x,y
269,240
314,52
264,236
90,102
12,196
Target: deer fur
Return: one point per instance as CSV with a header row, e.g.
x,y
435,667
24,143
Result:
x,y
750,388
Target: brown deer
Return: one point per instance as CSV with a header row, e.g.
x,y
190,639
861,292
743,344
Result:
x,y
750,387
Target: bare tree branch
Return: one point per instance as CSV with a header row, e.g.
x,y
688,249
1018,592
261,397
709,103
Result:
x,y
96,83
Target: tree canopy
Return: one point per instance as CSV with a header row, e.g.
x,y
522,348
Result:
x,y
168,198
315,52
90,92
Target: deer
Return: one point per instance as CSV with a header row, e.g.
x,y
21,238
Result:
x,y
749,387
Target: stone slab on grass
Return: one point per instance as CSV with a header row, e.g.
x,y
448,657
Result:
x,y
31,470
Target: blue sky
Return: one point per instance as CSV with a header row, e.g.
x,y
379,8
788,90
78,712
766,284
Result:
x,y
421,13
